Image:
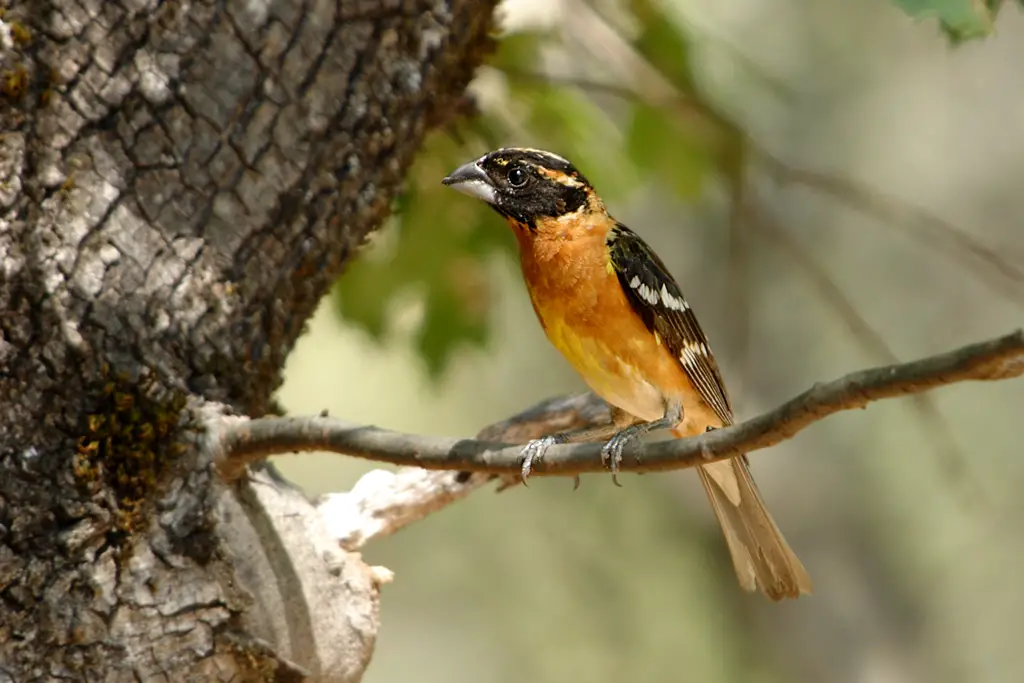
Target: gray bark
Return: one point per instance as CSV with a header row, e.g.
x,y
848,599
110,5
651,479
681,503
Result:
x,y
180,183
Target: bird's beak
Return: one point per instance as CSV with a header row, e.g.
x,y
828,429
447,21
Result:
x,y
470,179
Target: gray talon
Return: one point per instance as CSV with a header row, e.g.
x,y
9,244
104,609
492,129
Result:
x,y
611,456
532,452
611,453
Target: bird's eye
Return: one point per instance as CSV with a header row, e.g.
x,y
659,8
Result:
x,y
517,177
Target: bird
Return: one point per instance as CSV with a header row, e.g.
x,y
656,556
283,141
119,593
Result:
x,y
608,303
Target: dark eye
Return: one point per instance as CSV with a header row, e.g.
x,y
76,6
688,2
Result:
x,y
517,177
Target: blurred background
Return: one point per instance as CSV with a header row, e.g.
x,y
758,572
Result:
x,y
834,185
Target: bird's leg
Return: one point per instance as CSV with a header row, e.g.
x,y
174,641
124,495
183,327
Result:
x,y
611,453
534,450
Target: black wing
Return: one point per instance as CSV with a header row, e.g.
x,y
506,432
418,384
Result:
x,y
656,298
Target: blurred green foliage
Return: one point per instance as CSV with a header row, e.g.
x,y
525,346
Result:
x,y
664,43
437,254
960,19
436,246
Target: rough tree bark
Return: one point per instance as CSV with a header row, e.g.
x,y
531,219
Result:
x,y
180,183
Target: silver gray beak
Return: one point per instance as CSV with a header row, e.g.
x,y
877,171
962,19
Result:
x,y
470,179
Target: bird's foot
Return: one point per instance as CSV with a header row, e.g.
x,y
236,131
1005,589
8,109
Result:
x,y
534,451
611,452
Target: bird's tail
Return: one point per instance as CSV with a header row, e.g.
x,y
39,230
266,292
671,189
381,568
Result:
x,y
760,554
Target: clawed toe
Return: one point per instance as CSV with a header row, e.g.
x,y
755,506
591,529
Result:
x,y
611,456
532,452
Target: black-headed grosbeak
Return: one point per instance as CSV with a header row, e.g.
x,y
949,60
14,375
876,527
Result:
x,y
608,303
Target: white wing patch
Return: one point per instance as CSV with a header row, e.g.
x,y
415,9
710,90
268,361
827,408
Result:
x,y
649,295
674,302
653,296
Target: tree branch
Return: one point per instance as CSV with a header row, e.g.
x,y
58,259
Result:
x,y
383,502
951,459
239,443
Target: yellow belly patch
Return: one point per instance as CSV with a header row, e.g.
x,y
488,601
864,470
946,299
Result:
x,y
617,382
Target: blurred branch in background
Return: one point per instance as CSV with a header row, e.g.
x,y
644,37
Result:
x,y
242,442
951,459
927,229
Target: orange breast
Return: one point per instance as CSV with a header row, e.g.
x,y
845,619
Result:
x,y
586,315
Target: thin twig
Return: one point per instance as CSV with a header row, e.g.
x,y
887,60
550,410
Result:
x,y
242,442
934,232
741,214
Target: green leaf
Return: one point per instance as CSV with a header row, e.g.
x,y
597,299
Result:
x,y
363,292
664,44
680,144
961,20
563,120
438,251
518,51
662,144
455,313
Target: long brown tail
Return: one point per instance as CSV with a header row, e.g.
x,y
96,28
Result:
x,y
760,554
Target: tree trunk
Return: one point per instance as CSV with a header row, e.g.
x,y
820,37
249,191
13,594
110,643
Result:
x,y
180,184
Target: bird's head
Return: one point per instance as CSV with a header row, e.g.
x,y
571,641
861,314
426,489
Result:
x,y
530,187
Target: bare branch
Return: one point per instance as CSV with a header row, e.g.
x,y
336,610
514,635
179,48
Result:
x,y
383,502
561,414
239,443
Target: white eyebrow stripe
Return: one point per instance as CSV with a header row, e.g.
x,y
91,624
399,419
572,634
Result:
x,y
544,152
567,180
